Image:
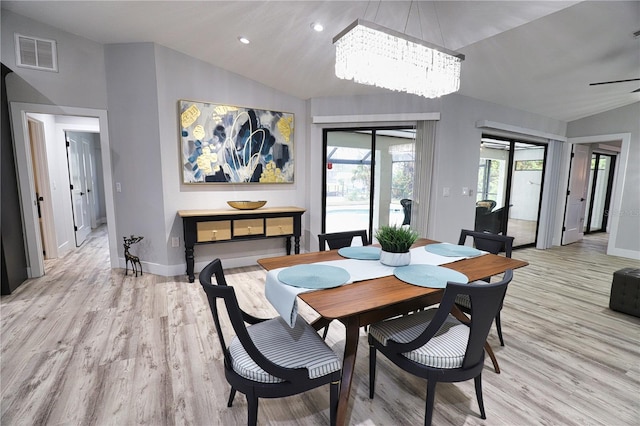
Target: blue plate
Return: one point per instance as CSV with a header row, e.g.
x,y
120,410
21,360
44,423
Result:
x,y
452,250
314,276
429,275
362,253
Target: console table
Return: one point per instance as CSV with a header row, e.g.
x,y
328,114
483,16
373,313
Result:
x,y
219,226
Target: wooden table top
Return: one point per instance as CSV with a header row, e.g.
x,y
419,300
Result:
x,y
363,296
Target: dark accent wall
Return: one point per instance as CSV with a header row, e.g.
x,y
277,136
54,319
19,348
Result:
x,y
14,259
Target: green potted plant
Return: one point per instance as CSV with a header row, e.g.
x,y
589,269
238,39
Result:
x,y
395,242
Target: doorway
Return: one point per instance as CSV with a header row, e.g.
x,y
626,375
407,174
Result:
x,y
368,176
509,193
25,174
601,175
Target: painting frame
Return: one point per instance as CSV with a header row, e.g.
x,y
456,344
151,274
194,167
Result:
x,y
230,144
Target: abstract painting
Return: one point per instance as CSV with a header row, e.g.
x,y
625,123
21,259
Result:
x,y
230,144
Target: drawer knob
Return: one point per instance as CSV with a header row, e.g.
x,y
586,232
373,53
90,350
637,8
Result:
x,y
213,234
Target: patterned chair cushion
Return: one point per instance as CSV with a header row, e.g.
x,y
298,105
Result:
x,y
296,347
445,350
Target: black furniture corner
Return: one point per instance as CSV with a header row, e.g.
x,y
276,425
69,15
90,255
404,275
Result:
x,y
625,291
220,226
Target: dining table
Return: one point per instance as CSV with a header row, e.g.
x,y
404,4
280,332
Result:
x,y
365,302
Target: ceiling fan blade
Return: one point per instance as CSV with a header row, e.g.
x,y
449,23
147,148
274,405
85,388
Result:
x,y
615,81
636,91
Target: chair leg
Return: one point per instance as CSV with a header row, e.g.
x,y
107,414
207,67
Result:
x,y
478,382
324,334
499,328
372,370
232,395
489,351
333,402
431,397
252,403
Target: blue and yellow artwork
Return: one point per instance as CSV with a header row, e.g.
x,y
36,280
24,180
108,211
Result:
x,y
230,144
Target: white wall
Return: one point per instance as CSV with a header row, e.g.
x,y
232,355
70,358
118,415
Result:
x,y
625,237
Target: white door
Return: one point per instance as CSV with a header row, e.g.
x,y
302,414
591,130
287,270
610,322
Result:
x,y
76,150
573,229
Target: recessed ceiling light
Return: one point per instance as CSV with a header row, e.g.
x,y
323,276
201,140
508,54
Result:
x,y
244,40
317,26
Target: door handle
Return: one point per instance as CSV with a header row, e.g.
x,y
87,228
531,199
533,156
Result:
x,y
581,199
81,194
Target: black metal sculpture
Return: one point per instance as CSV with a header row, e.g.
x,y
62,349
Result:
x,y
129,258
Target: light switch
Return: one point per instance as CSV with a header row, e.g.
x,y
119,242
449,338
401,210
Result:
x,y
465,190
445,191
118,187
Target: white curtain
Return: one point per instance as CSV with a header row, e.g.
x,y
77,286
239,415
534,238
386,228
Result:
x,y
425,148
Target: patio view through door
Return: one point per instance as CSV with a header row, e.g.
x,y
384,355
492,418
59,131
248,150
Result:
x,y
367,173
510,177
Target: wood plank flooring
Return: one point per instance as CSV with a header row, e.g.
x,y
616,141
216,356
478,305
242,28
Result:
x,y
85,345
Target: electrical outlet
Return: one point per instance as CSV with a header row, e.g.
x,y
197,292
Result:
x,y
175,241
118,187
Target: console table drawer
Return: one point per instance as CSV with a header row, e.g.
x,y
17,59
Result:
x,y
214,231
279,226
245,227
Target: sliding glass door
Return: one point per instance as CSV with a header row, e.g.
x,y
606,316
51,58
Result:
x,y
510,176
367,173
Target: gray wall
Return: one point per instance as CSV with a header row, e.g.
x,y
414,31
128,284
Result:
x,y
621,120
80,80
140,85
457,147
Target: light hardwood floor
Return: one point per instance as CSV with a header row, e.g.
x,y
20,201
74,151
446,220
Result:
x,y
85,345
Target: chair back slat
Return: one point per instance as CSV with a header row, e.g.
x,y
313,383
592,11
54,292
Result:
x,y
493,243
338,240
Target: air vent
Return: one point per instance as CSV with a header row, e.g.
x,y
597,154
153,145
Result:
x,y
36,53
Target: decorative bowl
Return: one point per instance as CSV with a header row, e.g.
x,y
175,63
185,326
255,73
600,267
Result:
x,y
246,205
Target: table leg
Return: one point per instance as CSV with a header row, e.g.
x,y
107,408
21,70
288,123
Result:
x,y
188,251
288,245
296,240
348,366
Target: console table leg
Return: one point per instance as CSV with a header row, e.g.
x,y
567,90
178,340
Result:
x,y
190,263
297,245
288,245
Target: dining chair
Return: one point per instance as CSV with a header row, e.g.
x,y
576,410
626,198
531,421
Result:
x,y
406,208
338,240
435,345
494,244
267,358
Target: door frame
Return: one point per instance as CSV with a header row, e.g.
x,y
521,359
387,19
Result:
x,y
33,241
616,197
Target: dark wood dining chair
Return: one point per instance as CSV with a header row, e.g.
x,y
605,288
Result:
x,y
491,243
437,346
406,208
338,240
268,359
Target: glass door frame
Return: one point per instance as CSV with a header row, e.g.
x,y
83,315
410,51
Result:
x,y
372,185
509,181
607,198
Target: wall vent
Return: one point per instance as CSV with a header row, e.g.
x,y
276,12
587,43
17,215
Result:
x,y
36,53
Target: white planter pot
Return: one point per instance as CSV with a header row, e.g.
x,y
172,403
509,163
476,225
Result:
x,y
395,259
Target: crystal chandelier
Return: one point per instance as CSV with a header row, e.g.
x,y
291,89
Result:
x,y
371,54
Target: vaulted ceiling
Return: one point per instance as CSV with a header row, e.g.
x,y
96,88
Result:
x,y
535,56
